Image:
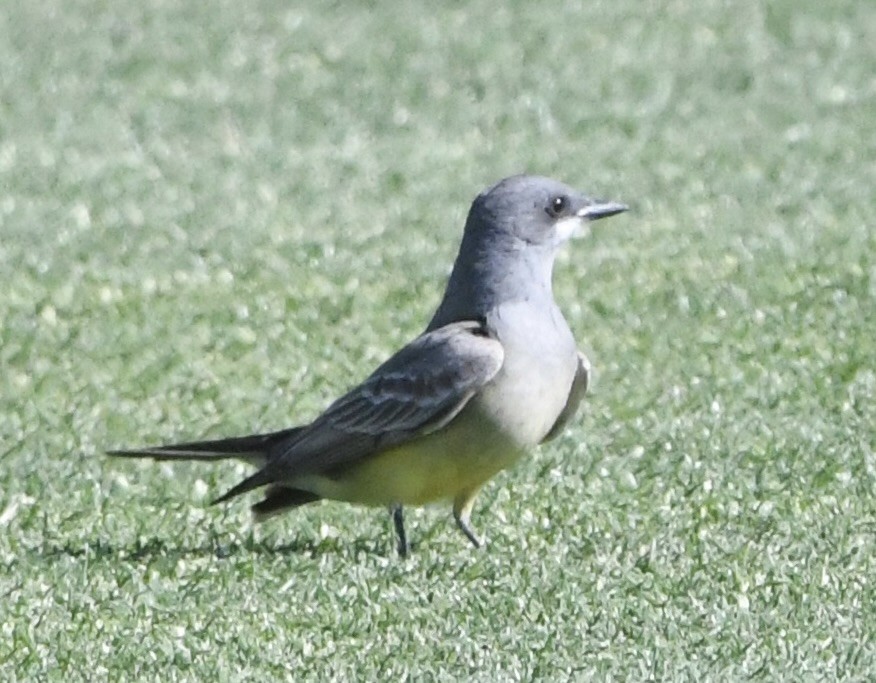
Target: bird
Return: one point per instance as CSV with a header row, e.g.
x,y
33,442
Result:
x,y
495,373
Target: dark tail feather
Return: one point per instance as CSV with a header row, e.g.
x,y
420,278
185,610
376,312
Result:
x,y
254,447
279,499
261,478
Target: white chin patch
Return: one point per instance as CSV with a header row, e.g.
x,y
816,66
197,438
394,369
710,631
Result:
x,y
568,227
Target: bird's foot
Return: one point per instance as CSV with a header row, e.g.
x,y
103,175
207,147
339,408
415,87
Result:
x,y
398,520
464,524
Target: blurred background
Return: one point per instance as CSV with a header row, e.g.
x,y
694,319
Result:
x,y
214,217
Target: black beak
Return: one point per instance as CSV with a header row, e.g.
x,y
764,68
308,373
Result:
x,y
599,208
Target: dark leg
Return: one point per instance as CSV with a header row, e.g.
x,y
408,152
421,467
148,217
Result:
x,y
398,519
462,514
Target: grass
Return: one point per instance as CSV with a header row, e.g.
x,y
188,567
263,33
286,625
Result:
x,y
214,217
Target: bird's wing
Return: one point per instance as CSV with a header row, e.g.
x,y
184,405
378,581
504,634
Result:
x,y
418,390
576,393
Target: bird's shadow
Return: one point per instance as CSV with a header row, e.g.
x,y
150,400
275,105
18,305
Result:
x,y
98,550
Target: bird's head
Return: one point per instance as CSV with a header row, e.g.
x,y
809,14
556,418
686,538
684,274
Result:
x,y
533,210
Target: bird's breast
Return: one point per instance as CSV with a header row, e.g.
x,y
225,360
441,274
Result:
x,y
531,389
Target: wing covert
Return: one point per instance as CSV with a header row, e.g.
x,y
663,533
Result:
x,y
419,389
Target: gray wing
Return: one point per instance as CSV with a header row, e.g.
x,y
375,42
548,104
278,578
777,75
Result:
x,y
576,393
418,390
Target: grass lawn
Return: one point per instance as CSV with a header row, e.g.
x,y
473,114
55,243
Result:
x,y
214,217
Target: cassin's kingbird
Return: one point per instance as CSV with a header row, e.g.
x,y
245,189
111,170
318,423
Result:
x,y
495,373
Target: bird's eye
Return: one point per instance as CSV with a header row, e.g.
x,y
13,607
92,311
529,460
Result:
x,y
557,205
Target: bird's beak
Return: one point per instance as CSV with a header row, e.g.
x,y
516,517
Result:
x,y
599,208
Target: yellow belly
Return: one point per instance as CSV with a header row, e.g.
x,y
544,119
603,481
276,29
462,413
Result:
x,y
441,465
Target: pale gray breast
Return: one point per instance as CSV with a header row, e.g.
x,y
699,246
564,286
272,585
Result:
x,y
529,392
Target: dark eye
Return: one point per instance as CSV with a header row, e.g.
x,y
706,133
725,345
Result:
x,y
557,205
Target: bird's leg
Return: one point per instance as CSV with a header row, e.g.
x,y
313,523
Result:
x,y
462,505
398,519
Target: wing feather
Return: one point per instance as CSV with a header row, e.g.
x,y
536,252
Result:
x,y
417,390
430,377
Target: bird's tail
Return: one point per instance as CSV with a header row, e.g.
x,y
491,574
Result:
x,y
253,448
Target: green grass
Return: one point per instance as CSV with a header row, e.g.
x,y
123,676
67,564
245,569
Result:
x,y
214,217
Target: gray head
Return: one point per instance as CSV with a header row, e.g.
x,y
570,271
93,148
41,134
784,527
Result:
x,y
512,234
533,210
